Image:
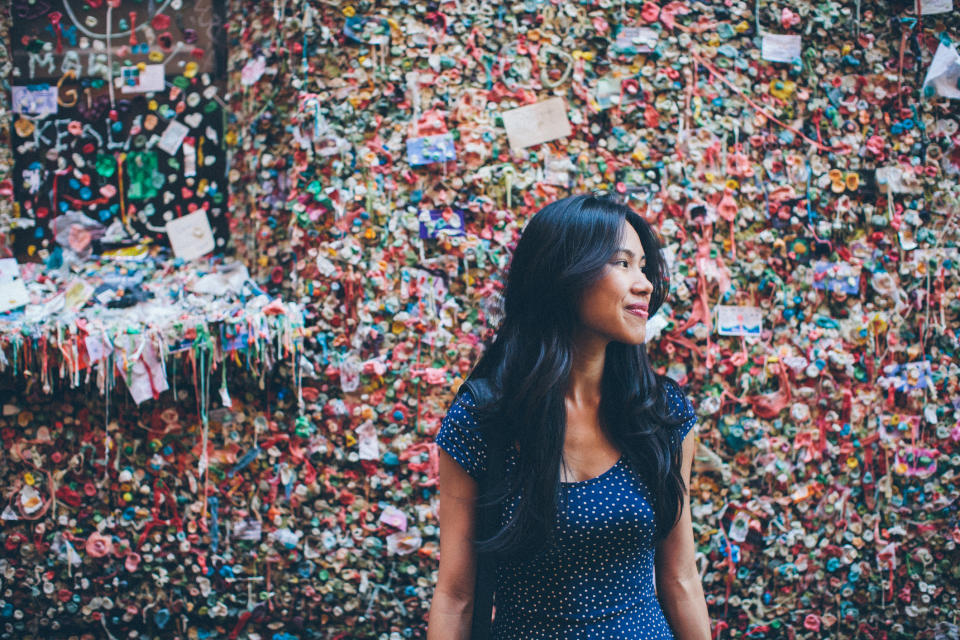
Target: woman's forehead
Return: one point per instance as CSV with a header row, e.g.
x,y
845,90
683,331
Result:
x,y
630,239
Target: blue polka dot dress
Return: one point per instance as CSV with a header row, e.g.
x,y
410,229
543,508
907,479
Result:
x,y
596,579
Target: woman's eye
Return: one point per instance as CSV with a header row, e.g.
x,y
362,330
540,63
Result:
x,y
626,263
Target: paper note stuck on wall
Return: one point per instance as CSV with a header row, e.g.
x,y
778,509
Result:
x,y
173,137
944,71
536,123
13,293
137,80
39,100
191,236
739,321
931,7
777,47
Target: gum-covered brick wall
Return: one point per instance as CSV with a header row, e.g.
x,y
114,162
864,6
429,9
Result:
x,y
800,162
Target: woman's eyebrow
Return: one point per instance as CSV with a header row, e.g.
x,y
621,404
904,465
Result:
x,y
629,253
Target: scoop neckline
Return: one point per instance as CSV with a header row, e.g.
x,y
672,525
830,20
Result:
x,y
595,478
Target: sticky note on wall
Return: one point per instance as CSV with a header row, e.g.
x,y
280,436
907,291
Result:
x,y
739,321
13,293
536,123
777,47
191,236
430,149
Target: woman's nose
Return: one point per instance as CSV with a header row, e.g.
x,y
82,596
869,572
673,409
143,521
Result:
x,y
642,284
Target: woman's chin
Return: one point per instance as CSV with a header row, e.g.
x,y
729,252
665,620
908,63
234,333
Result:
x,y
634,339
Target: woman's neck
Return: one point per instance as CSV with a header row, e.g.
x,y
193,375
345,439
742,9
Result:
x,y
586,373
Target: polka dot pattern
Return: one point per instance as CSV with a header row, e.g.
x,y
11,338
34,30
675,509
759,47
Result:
x,y
595,580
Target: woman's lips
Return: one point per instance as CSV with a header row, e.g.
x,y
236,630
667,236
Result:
x,y
637,311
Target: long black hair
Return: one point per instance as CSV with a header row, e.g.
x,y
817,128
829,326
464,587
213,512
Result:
x,y
563,251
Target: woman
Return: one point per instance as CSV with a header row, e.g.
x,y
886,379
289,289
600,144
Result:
x,y
595,482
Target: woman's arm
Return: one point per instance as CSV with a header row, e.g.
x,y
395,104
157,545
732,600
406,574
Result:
x,y
678,582
451,610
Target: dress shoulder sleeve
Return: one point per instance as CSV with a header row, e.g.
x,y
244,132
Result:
x,y
679,405
460,436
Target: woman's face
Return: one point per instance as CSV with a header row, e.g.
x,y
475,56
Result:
x,y
615,307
